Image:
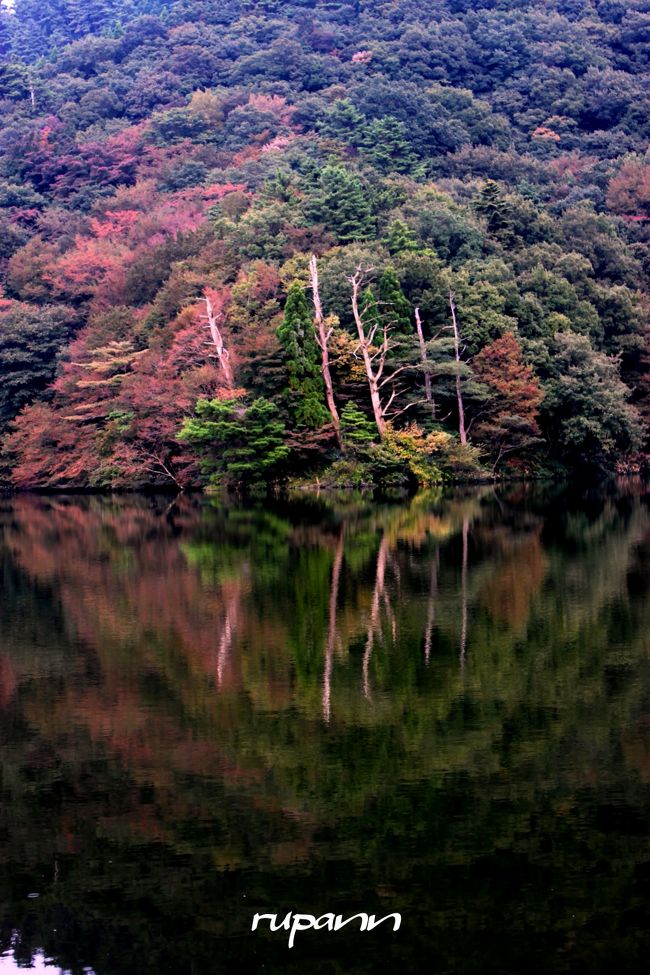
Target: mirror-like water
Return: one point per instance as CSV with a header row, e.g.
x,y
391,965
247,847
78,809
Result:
x,y
439,708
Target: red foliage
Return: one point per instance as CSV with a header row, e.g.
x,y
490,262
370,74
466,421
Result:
x,y
629,190
500,366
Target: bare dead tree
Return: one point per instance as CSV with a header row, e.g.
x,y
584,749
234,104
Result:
x,y
214,317
323,334
32,92
428,392
155,463
375,355
459,394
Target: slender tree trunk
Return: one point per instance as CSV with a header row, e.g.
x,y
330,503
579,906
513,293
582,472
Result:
x,y
323,335
463,594
228,633
428,392
365,342
374,623
459,394
431,608
331,629
223,356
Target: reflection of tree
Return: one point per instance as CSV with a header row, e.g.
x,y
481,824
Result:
x,y
463,594
431,605
379,596
181,692
331,628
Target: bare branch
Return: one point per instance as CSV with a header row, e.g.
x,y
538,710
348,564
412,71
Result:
x,y
323,335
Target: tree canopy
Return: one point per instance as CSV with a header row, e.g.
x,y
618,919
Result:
x,y
155,155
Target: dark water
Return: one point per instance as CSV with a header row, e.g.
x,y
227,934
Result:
x,y
440,708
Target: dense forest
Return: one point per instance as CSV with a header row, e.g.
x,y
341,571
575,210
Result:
x,y
374,244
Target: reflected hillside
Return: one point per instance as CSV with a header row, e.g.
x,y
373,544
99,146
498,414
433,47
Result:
x,y
204,708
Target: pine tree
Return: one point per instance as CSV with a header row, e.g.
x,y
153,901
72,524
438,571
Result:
x,y
387,146
37,26
357,429
340,202
238,445
495,209
296,333
399,238
394,305
5,33
370,313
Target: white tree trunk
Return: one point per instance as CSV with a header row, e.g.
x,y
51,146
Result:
x,y
428,392
323,335
459,394
222,355
365,342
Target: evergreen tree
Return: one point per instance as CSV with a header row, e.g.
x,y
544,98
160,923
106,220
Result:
x,y
341,203
296,333
90,16
5,33
491,204
344,121
37,26
30,340
357,429
370,313
394,305
399,238
238,444
386,146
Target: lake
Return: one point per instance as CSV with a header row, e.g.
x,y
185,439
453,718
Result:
x,y
438,707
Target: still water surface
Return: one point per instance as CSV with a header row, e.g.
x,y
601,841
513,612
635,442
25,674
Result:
x,y
439,707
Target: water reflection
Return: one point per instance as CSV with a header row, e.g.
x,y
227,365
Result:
x,y
440,708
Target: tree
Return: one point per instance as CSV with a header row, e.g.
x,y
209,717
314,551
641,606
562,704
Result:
x,y
30,340
340,201
357,429
399,238
509,425
629,190
491,204
386,145
240,445
215,304
369,327
323,333
428,391
393,304
459,392
586,413
296,333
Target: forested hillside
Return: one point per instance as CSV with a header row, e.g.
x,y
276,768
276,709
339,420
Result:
x,y
373,243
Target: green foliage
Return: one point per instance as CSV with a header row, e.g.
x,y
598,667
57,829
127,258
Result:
x,y
587,414
399,238
238,444
394,305
357,429
296,333
341,202
151,151
495,210
30,341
